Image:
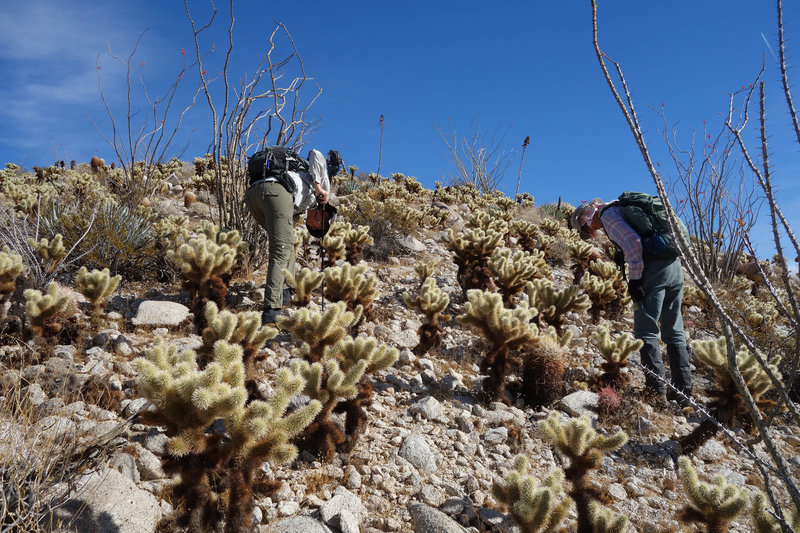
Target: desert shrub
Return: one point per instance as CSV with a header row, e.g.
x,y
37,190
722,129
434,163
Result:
x,y
560,211
111,235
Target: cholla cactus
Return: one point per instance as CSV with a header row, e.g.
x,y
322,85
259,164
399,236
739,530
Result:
x,y
552,304
764,521
335,383
187,400
51,252
472,249
351,285
527,234
354,241
550,227
607,521
583,253
335,248
714,504
601,293
424,271
727,405
319,331
244,329
534,506
486,221
505,329
431,302
584,447
231,238
302,237
303,283
615,353
171,231
204,263
608,271
47,312
96,286
10,269
513,270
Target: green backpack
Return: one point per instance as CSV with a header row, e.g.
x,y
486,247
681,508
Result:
x,y
646,215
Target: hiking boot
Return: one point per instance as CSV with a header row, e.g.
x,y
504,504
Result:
x,y
681,399
270,316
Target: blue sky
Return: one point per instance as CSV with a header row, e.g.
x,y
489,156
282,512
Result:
x,y
528,67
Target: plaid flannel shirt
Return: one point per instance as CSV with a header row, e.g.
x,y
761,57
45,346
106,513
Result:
x,y
618,230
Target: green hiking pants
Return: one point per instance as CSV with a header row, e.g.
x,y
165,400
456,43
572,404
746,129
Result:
x,y
273,208
662,282
660,313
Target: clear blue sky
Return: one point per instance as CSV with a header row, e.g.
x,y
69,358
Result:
x,y
527,65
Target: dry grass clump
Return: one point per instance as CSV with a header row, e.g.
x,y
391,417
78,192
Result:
x,y
41,457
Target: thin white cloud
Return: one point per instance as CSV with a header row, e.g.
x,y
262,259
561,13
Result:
x,y
48,54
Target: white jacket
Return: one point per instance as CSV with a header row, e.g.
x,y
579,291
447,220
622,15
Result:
x,y
304,195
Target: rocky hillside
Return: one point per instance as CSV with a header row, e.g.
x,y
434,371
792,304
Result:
x,y
432,445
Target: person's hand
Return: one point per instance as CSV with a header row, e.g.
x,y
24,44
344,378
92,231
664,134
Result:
x,y
636,290
322,194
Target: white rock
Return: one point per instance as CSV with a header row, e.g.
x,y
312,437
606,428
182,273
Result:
x,y
416,451
160,313
109,501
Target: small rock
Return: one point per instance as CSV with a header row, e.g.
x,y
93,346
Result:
x,y
343,500
426,519
428,408
417,452
617,491
160,313
580,403
712,451
298,524
430,495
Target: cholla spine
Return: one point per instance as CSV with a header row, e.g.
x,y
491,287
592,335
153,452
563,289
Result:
x,y
534,506
715,504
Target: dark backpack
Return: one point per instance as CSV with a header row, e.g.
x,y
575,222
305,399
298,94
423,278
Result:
x,y
275,162
646,215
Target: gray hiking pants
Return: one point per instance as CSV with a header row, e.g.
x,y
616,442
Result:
x,y
273,208
659,313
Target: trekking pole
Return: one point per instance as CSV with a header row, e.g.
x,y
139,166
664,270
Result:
x,y
321,208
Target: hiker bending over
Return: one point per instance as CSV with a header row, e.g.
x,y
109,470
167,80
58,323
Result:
x,y
277,210
655,285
